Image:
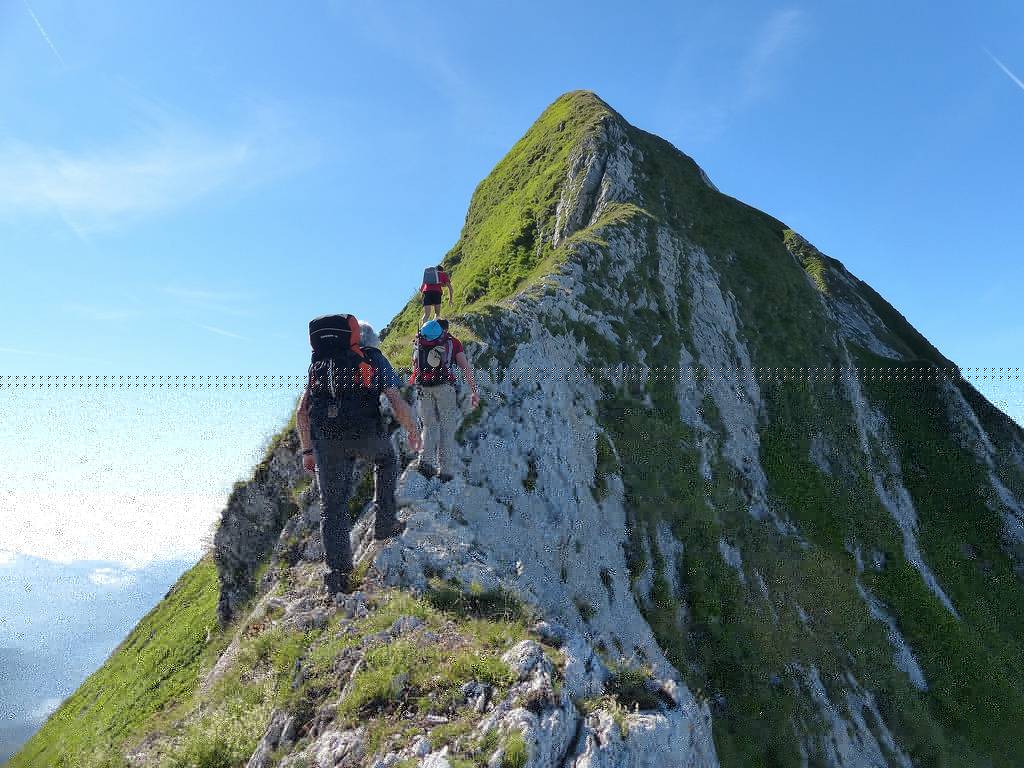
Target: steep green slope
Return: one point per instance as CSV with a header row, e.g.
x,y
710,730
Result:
x,y
145,679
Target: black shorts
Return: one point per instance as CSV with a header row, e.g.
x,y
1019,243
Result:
x,y
431,298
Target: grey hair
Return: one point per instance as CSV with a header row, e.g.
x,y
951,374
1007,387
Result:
x,y
367,336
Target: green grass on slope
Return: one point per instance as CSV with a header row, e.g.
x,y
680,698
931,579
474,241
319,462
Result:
x,y
507,236
154,669
813,262
780,315
974,666
840,510
414,673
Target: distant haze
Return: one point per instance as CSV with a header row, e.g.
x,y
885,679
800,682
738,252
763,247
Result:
x,y
58,622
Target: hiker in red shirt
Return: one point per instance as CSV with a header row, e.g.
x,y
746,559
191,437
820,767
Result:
x,y
435,351
434,280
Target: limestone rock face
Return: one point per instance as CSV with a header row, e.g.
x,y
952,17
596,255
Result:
x,y
251,523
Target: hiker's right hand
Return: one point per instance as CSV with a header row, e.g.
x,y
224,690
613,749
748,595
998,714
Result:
x,y
309,463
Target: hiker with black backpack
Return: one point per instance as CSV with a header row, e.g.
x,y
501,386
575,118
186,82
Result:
x,y
435,279
339,420
435,350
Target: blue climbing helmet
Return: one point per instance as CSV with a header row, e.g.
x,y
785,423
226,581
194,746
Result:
x,y
431,330
432,355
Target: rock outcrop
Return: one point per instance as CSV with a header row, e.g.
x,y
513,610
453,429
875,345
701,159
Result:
x,y
251,523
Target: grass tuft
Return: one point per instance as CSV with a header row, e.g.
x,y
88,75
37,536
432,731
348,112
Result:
x,y
475,602
516,753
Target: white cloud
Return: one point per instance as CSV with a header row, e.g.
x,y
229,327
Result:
x,y
43,32
111,577
773,39
705,106
6,557
218,300
206,295
221,332
44,709
106,314
1006,69
159,168
129,529
413,33
50,355
118,181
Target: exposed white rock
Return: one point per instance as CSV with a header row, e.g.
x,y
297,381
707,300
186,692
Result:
x,y
332,749
821,453
731,383
652,740
421,746
435,760
873,429
499,529
763,588
670,551
849,742
965,420
584,671
600,171
280,732
857,321
903,655
731,556
547,720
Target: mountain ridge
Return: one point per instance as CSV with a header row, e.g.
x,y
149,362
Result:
x,y
741,526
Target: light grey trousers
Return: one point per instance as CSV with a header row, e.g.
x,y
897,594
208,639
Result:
x,y
438,411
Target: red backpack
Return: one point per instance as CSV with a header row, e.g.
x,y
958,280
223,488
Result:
x,y
432,360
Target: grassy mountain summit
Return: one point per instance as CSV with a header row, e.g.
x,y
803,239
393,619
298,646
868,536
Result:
x,y
722,505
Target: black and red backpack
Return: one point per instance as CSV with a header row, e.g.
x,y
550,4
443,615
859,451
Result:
x,y
342,381
433,359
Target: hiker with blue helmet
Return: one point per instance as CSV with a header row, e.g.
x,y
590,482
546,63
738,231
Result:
x,y
434,352
339,420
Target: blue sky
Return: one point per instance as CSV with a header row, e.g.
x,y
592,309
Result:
x,y
182,185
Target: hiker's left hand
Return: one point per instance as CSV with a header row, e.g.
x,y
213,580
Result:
x,y
309,463
414,442
474,399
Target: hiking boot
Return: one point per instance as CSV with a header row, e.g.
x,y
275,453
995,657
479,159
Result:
x,y
396,529
424,468
336,583
444,477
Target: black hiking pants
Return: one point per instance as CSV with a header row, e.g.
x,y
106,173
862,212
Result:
x,y
335,459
